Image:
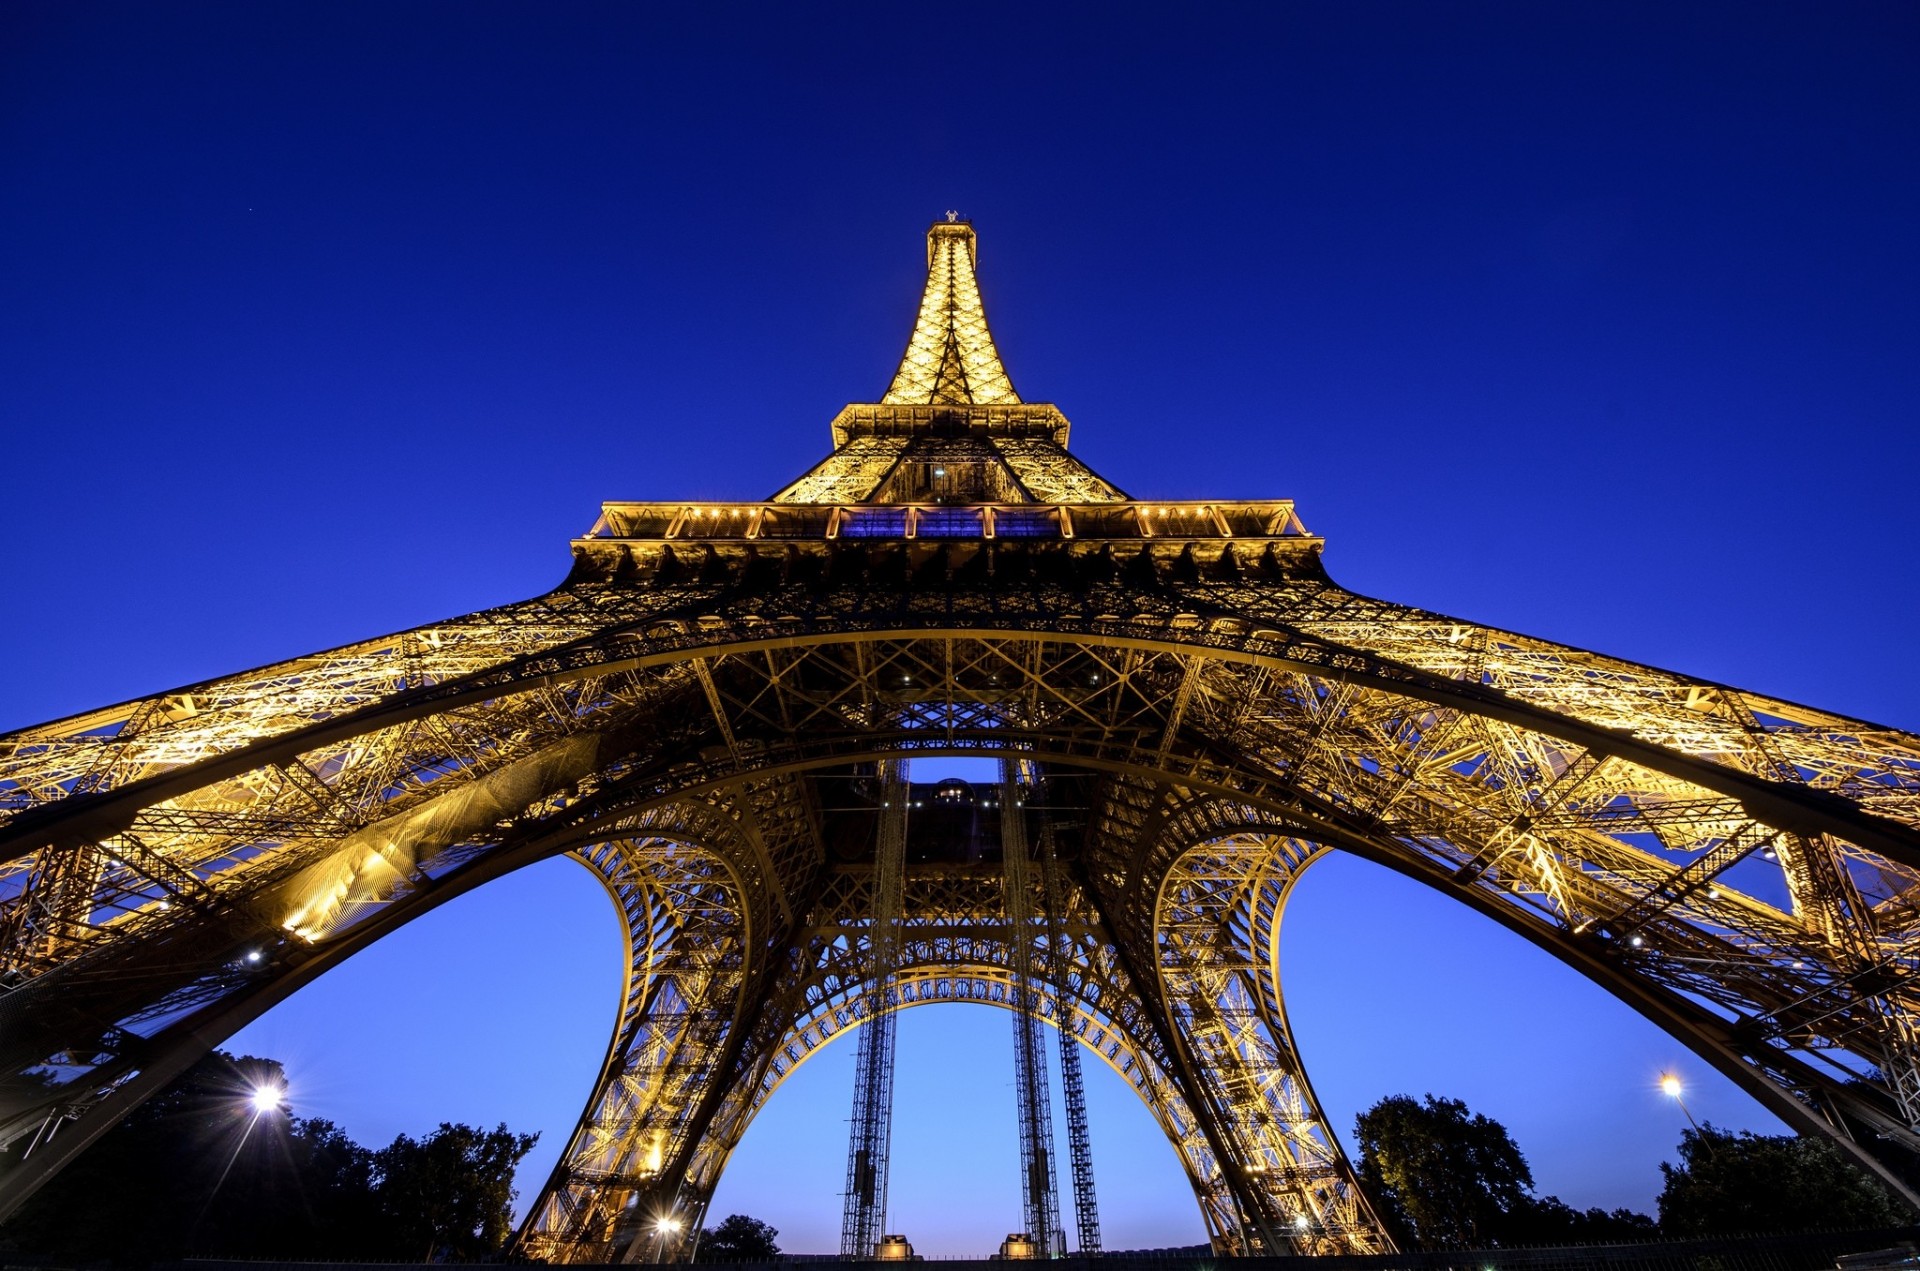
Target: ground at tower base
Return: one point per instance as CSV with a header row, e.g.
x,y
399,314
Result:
x,y
716,713
1888,1249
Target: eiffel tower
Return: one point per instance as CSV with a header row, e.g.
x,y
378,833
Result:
x,y
716,713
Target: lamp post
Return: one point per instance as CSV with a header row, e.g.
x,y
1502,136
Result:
x,y
665,1228
1671,1087
265,1101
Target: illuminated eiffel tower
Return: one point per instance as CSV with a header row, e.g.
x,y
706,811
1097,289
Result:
x,y
710,713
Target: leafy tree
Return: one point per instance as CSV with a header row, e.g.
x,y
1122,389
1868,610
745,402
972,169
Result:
x,y
452,1191
337,1213
1730,1184
738,1238
1442,1177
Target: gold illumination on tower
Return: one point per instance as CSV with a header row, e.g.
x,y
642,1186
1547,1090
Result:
x,y
706,714
950,359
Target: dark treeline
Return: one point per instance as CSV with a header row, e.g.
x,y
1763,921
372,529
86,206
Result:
x,y
738,1238
1443,1177
200,1169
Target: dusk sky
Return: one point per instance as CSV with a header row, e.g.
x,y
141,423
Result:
x,y
1596,322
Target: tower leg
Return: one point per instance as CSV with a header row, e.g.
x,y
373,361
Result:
x,y
616,1191
1215,931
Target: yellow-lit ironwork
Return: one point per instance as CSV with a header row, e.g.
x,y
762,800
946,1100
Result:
x,y
863,1218
1039,1187
950,358
693,713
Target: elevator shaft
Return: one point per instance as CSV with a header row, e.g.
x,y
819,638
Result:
x,y
863,1216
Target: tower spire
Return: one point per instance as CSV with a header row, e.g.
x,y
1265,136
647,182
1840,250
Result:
x,y
951,361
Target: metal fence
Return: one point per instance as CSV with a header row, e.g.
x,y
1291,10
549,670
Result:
x,y
1806,1251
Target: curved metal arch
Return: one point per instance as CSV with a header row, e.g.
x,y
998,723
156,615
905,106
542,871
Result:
x,y
1603,847
1777,1081
736,763
1227,638
684,995
1705,1033
584,754
1215,924
1742,1074
120,1086
988,984
630,1153
1767,1091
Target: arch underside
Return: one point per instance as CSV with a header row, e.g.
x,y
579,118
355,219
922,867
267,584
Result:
x,y
1741,870
955,948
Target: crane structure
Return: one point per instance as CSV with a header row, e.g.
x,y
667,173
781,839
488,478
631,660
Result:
x,y
706,712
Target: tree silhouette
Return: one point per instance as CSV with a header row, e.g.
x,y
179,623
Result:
x,y
738,1238
452,1191
1732,1184
198,1169
1442,1177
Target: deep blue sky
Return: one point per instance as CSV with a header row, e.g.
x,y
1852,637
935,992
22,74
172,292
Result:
x,y
1597,322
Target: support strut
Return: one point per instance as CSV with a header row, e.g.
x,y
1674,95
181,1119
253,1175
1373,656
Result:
x,y
1086,1206
863,1215
1039,1197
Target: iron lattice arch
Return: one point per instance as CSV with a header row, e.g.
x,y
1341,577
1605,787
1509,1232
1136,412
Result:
x,y
703,714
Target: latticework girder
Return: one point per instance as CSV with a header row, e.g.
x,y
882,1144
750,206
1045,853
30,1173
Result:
x,y
1217,931
1039,1191
950,358
1073,1093
863,1218
955,947
1744,871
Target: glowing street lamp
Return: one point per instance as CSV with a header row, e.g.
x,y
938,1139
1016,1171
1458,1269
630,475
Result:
x,y
1671,1087
265,1101
665,1228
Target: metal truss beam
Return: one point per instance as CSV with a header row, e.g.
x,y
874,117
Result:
x,y
1039,1194
1086,1203
1743,871
864,1205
